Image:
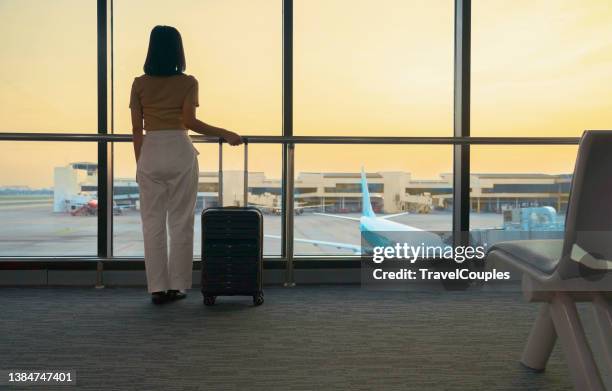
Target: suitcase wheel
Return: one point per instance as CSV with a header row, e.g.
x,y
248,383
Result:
x,y
209,300
258,299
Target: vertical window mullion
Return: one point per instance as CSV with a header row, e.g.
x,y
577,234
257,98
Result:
x,y
104,152
288,149
461,153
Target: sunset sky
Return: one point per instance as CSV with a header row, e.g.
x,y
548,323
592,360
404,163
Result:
x,y
368,68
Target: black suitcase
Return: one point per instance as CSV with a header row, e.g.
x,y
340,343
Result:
x,y
232,248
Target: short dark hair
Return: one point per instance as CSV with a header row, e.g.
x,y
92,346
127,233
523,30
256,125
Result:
x,y
165,56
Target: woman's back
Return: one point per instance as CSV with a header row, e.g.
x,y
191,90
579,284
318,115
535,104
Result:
x,y
167,169
161,99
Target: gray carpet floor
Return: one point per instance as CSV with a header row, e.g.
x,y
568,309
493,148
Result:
x,y
303,338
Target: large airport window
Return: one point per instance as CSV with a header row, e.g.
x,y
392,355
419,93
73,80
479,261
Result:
x,y
360,68
264,192
48,84
540,68
232,47
48,198
373,68
409,186
519,192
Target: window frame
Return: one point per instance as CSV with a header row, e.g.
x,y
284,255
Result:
x,y
105,139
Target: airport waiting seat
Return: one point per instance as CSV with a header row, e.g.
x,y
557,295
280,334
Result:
x,y
578,268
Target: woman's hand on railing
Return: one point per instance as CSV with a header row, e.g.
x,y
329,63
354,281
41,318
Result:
x,y
232,138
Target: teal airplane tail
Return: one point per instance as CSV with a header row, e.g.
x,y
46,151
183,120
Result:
x,y
366,205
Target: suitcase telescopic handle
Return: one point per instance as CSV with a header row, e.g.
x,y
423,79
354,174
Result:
x,y
245,180
220,174
245,173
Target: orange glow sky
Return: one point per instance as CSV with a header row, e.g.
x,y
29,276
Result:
x,y
375,67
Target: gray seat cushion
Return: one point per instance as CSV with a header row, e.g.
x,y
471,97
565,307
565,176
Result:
x,y
540,254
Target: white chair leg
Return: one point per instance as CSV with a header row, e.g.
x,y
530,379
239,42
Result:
x,y
541,341
578,355
603,313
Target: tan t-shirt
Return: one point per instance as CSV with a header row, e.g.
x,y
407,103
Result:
x,y
161,99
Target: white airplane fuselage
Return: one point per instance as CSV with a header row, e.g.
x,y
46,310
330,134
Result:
x,y
380,232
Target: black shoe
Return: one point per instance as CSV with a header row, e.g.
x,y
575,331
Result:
x,y
173,294
159,297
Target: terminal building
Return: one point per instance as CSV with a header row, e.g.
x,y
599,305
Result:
x,y
75,183
335,192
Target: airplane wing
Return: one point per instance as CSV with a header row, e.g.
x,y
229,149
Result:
x,y
336,216
312,206
394,215
347,246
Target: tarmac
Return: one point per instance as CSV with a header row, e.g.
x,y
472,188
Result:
x,y
32,229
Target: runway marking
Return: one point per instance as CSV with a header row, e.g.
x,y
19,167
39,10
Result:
x,y
23,205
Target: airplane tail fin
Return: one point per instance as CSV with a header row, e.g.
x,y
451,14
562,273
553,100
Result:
x,y
366,205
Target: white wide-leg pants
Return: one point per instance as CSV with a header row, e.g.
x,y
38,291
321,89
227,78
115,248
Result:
x,y
167,175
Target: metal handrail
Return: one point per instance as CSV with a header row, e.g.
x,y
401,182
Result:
x,y
95,137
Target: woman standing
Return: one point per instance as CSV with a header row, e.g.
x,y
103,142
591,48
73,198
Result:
x,y
163,101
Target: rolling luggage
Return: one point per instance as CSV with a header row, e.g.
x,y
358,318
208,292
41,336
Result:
x,y
232,248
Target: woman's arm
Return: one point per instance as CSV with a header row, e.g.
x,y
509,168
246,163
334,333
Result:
x,y
137,131
191,122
